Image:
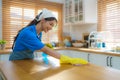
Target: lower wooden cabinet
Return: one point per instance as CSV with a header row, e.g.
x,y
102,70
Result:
x,y
115,62
105,60
98,59
37,54
4,57
74,54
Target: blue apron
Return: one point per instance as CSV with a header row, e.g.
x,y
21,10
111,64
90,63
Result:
x,y
20,55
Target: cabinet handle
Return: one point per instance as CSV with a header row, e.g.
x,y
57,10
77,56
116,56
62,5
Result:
x,y
88,57
110,61
107,61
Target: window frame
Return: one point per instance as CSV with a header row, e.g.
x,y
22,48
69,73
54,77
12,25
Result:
x,y
104,21
36,4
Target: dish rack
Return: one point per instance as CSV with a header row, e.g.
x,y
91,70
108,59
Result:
x,y
97,39
100,39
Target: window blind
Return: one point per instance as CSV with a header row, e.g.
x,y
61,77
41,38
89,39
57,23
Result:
x,y
0,19
109,18
18,13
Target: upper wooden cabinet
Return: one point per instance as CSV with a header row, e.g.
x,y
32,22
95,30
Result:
x,y
73,10
80,11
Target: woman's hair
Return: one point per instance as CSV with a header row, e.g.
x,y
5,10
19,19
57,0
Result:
x,y
33,22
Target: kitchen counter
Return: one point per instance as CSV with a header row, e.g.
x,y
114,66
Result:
x,y
96,51
6,51
37,70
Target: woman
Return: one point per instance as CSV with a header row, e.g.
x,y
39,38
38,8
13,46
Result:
x,y
29,39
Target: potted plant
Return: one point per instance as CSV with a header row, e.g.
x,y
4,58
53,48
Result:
x,y
2,44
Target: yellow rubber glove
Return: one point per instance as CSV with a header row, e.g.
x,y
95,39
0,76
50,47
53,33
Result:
x,y
49,45
66,59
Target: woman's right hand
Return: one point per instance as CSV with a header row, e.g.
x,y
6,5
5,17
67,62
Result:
x,y
74,61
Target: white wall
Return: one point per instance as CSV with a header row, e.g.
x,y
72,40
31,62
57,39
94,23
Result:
x,y
0,19
79,30
76,31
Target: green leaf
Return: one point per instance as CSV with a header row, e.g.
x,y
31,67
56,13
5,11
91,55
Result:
x,y
3,41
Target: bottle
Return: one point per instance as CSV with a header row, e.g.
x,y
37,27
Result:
x,y
99,44
45,58
103,45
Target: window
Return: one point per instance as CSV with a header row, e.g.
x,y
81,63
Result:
x,y
18,13
109,18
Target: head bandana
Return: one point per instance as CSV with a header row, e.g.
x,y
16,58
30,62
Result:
x,y
45,14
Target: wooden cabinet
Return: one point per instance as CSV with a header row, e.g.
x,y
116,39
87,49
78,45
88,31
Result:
x,y
98,59
114,62
73,11
80,11
4,57
105,60
90,11
37,54
66,52
74,54
78,54
94,58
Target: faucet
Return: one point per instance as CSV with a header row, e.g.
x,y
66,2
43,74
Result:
x,y
92,39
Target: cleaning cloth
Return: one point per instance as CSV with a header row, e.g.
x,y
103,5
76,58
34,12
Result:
x,y
66,59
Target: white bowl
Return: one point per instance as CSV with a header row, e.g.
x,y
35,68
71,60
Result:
x,y
77,44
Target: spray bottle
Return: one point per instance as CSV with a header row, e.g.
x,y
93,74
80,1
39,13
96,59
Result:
x,y
45,56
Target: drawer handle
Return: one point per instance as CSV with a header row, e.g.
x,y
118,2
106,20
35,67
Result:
x,y
88,57
107,61
110,61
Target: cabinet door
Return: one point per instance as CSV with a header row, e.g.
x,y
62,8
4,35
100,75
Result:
x,y
90,11
66,52
68,9
37,54
73,11
80,11
74,54
115,62
4,57
84,55
78,54
98,59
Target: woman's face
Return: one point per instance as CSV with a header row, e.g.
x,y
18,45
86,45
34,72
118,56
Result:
x,y
48,25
